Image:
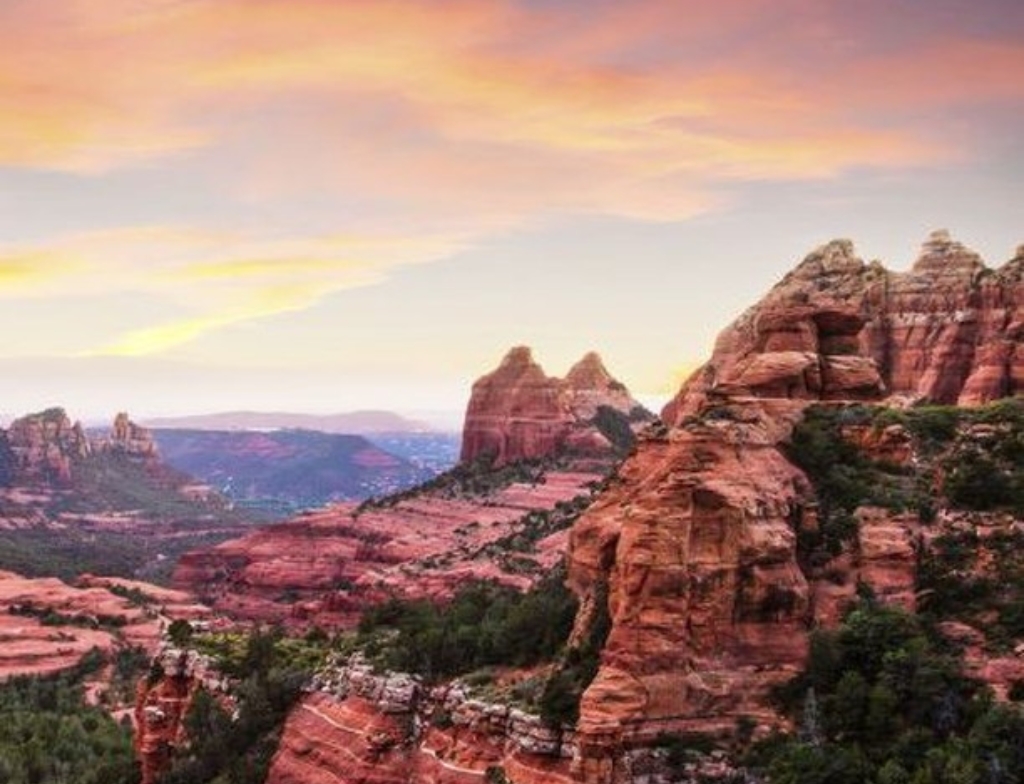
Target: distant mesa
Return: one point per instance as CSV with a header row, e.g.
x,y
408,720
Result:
x,y
518,412
283,471
353,422
43,448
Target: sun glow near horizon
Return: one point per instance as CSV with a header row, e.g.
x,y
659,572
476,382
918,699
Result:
x,y
405,188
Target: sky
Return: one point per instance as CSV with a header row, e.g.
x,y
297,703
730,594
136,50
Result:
x,y
327,205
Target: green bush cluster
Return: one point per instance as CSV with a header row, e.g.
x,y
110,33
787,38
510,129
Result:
x,y
980,581
976,456
483,625
476,477
48,733
884,700
615,426
226,748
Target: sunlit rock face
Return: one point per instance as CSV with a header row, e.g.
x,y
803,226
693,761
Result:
x,y
694,544
949,330
518,412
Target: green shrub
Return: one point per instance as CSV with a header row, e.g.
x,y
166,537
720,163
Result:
x,y
483,625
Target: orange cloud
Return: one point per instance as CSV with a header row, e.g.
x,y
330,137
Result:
x,y
625,109
214,279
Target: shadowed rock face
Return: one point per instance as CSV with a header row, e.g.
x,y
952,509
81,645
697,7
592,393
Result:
x,y
518,412
695,543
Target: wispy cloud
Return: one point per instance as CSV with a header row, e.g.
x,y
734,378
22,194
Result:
x,y
215,279
618,108
450,120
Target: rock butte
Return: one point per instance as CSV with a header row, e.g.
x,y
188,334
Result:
x,y
41,449
696,537
517,412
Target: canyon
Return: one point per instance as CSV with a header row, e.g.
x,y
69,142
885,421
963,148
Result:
x,y
488,519
692,549
708,544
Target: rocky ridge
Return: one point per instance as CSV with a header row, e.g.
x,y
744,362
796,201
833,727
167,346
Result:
x,y
399,729
949,330
325,567
695,543
518,412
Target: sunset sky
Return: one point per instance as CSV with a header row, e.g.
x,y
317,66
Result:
x,y
323,205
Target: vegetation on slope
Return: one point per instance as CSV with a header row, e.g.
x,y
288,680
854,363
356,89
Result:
x,y
236,746
69,552
486,626
48,733
483,625
883,700
971,459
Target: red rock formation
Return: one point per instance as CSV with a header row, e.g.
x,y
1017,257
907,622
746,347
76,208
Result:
x,y
366,727
588,385
44,447
131,439
162,701
695,541
950,330
325,567
29,647
517,412
696,544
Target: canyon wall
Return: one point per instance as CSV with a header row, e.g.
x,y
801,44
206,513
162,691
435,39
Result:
x,y
695,542
949,330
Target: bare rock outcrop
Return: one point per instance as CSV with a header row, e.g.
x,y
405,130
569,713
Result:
x,y
359,725
695,548
694,543
518,412
162,702
44,446
949,330
131,439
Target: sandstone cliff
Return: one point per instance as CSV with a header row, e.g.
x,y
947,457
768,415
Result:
x,y
949,330
359,725
44,447
518,412
695,543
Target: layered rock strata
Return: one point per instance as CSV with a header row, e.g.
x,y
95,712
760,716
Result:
x,y
358,725
949,330
325,567
518,412
694,544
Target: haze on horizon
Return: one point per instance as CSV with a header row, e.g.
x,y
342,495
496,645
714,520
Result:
x,y
324,206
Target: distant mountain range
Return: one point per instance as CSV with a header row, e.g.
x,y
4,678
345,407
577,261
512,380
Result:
x,y
284,470
351,422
